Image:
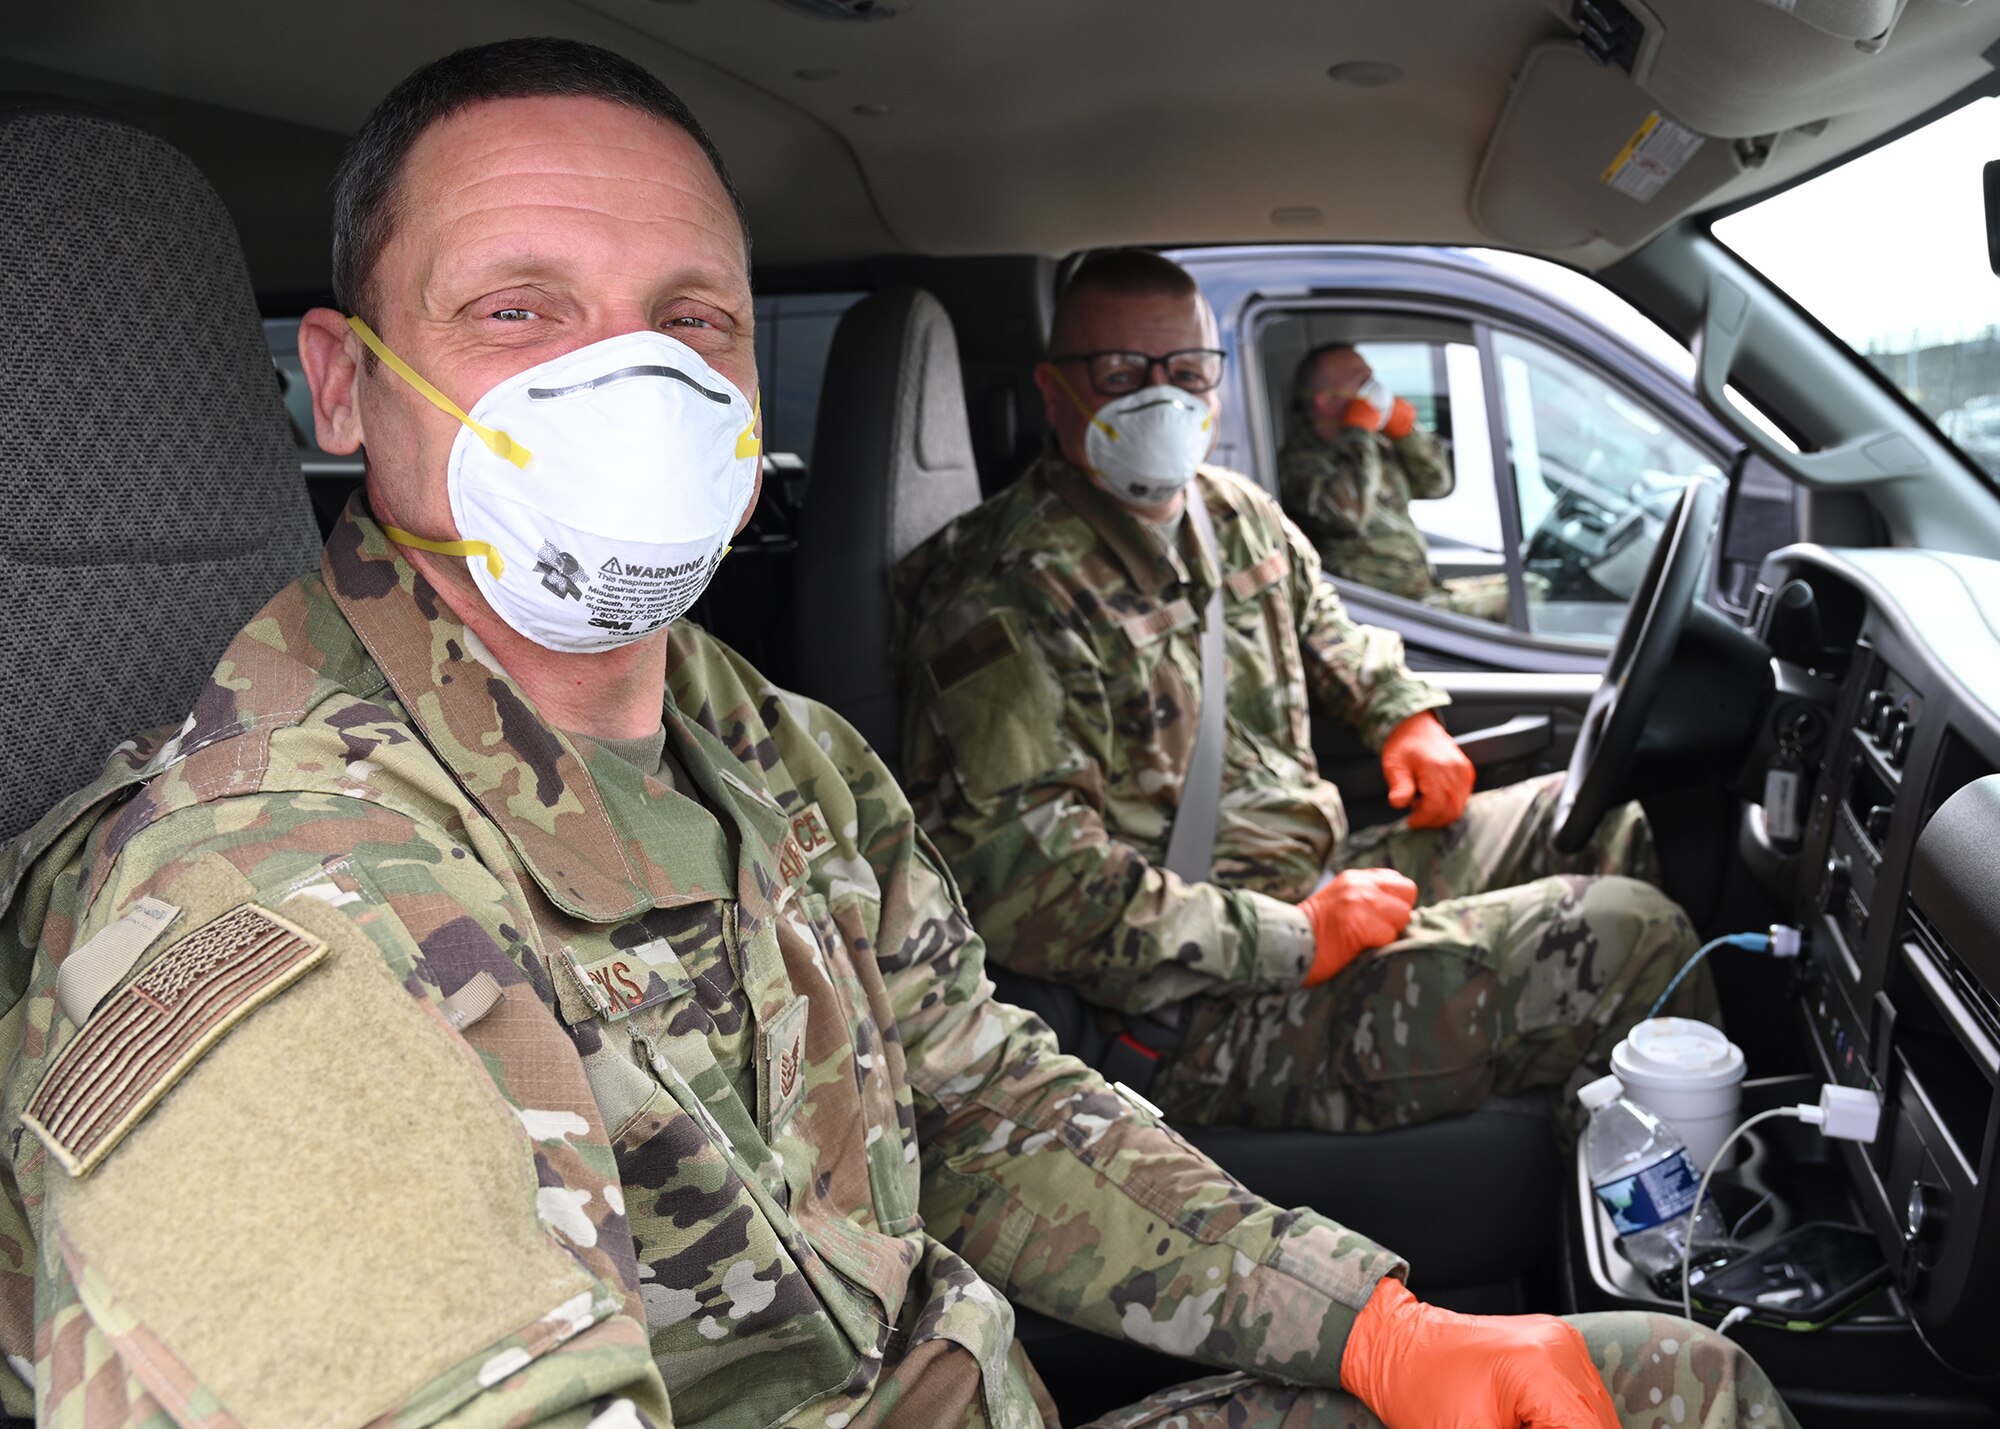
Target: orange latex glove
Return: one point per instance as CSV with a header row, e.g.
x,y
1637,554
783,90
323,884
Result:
x,y
1374,410
1422,762
1419,1367
1360,909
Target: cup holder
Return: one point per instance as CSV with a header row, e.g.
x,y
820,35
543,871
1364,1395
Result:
x,y
1757,1192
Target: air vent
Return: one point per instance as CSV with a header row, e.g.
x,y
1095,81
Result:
x,y
842,9
1611,34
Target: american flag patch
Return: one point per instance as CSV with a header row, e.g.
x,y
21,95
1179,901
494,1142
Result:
x,y
140,1042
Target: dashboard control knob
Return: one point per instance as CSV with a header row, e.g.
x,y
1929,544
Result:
x,y
1875,707
1890,725
1899,744
1923,1221
1917,1210
1877,822
1839,882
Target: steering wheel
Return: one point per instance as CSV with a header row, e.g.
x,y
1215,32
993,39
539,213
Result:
x,y
1653,624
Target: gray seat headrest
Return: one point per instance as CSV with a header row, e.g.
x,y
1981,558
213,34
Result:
x,y
892,463
150,493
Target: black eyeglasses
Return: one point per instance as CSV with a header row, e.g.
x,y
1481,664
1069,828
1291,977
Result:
x,y
1113,374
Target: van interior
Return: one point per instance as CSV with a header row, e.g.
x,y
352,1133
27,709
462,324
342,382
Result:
x,y
1815,588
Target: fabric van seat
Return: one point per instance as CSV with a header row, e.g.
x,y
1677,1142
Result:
x,y
1470,1200
892,464
150,495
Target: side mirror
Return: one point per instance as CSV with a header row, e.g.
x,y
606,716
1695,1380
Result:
x,y
1991,176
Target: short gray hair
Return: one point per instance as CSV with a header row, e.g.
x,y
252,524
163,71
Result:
x,y
1117,273
365,199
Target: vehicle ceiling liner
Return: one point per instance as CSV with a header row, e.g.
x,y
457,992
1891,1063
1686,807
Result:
x,y
951,130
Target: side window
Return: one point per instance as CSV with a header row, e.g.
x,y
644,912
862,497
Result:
x,y
794,332
1384,456
1763,514
1596,476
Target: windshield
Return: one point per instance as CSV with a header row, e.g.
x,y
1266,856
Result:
x,y
1889,252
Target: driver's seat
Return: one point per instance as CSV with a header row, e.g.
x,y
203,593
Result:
x,y
1405,1189
150,496
892,463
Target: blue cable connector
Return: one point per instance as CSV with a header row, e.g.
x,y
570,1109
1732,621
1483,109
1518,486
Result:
x,y
1781,941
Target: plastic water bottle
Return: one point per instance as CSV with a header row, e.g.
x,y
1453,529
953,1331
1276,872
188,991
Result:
x,y
1646,1180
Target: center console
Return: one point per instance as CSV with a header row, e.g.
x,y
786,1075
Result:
x,y
1887,679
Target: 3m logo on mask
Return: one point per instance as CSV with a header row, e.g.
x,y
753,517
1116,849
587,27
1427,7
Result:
x,y
562,574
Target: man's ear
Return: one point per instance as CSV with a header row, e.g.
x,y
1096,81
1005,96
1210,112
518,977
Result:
x,y
332,355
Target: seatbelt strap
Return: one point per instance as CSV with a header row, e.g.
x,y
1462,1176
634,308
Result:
x,y
1191,843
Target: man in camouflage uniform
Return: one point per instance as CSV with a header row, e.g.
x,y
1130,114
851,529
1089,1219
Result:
x,y
1354,460
1051,681
465,1033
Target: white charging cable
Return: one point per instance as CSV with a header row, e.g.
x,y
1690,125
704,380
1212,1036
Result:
x,y
1849,1113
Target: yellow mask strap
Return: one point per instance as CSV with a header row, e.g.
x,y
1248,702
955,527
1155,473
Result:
x,y
495,567
497,442
748,443
1092,417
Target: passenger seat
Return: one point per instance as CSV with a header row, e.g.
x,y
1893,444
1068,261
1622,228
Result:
x,y
892,464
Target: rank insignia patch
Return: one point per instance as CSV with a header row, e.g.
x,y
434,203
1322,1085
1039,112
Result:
x,y
143,1039
784,1055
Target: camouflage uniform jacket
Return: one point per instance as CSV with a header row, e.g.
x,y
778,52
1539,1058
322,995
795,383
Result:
x,y
1052,677
740,1131
1353,498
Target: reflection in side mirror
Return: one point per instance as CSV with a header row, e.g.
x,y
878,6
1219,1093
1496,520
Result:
x,y
1991,175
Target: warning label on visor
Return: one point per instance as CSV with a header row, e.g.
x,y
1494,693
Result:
x,y
1653,155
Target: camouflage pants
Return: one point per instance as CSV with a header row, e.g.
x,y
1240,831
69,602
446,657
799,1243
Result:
x,y
1663,1373
1521,969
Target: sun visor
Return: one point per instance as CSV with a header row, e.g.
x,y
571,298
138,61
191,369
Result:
x,y
1861,20
1582,153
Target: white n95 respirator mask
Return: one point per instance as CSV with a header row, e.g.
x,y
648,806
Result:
x,y
595,493
1146,445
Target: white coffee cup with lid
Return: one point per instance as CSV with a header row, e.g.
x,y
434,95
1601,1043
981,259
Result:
x,y
1687,1072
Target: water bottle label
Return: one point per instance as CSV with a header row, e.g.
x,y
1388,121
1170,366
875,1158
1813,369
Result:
x,y
1652,1195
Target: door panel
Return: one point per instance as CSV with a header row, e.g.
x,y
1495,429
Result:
x,y
1437,641
1523,725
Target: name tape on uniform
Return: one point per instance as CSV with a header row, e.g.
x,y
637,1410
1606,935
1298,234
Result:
x,y
618,984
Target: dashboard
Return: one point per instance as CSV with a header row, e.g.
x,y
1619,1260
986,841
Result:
x,y
1887,699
